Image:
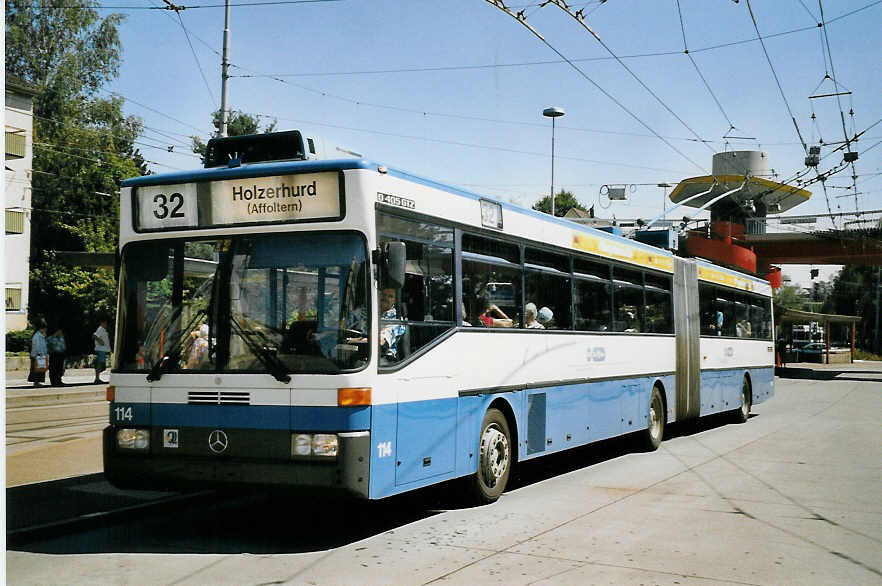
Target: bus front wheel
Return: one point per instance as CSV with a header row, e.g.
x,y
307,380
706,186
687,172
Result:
x,y
741,414
652,437
494,458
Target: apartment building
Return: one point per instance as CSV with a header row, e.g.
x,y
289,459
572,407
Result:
x,y
17,163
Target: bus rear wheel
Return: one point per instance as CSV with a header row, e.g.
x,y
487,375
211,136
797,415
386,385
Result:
x,y
494,459
652,437
741,414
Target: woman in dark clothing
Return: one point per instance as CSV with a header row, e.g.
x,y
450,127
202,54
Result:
x,y
57,349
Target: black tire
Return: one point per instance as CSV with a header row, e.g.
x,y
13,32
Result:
x,y
742,414
494,459
654,433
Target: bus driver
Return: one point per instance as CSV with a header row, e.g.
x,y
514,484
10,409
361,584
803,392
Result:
x,y
390,335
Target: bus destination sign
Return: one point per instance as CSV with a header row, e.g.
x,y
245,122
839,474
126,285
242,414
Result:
x,y
280,198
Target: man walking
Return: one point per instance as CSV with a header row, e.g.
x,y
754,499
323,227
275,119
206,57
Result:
x,y
102,347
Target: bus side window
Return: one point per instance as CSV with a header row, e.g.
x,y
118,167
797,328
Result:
x,y
659,310
491,282
706,296
424,305
547,282
593,301
628,299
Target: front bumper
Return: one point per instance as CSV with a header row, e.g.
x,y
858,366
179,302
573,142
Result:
x,y
254,457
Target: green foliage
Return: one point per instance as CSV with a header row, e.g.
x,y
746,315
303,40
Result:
x,y
564,201
790,297
19,340
239,124
854,293
83,149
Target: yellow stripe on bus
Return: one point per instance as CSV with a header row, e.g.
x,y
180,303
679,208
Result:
x,y
721,278
620,251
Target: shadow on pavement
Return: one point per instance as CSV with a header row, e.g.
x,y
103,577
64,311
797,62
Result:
x,y
827,374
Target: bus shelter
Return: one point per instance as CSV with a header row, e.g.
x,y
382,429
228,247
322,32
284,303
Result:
x,y
792,317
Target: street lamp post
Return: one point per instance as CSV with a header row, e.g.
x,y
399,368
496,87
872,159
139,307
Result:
x,y
552,113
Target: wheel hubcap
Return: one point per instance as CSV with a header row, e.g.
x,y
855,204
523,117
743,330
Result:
x,y
655,417
494,455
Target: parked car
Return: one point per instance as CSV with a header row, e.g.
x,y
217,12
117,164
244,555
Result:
x,y
814,348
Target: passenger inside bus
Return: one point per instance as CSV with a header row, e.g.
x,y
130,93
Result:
x,y
546,318
493,317
530,321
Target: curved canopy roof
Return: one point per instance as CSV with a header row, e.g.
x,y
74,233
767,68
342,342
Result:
x,y
756,189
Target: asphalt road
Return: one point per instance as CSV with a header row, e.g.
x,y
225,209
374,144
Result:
x,y
791,497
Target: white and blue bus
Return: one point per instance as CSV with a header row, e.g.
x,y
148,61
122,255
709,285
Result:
x,y
345,326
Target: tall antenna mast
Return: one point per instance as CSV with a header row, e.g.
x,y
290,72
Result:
x,y
225,70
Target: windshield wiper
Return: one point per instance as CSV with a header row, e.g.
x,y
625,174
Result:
x,y
273,364
159,366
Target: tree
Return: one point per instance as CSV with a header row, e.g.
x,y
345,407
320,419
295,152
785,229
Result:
x,y
564,201
789,297
854,293
239,124
83,148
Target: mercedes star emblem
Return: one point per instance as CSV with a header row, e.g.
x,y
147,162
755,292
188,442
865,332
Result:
x,y
218,442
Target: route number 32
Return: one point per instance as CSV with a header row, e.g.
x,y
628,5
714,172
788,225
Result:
x,y
168,206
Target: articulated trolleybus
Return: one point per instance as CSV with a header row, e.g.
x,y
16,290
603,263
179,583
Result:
x,y
343,326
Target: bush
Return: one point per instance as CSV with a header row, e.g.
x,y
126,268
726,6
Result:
x,y
19,340
864,355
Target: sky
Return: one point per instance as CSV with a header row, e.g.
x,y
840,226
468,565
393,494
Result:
x,y
454,91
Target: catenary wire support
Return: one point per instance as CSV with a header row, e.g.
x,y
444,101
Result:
x,y
681,204
225,72
714,200
173,7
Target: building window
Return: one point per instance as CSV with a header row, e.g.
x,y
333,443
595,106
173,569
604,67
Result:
x,y
13,299
14,222
15,145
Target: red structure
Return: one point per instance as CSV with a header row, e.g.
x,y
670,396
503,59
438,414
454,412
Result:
x,y
738,190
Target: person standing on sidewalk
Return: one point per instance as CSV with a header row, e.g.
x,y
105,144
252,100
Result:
x,y
57,349
102,347
39,354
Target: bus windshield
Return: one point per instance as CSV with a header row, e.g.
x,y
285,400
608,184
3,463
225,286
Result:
x,y
279,303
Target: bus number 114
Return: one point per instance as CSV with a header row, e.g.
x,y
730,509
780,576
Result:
x,y
123,413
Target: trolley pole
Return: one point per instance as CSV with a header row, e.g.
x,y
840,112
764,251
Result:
x,y
225,70
876,331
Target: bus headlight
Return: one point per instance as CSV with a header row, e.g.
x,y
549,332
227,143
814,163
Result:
x,y
318,445
324,445
133,439
301,444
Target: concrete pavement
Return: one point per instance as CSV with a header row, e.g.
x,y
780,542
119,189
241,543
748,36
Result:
x,y
791,497
54,432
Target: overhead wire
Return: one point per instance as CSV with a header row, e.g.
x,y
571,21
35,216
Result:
x,y
501,5
172,7
578,17
196,58
839,100
786,102
698,71
478,146
775,75
430,69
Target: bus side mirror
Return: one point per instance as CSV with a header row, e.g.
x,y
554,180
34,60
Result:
x,y
394,258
